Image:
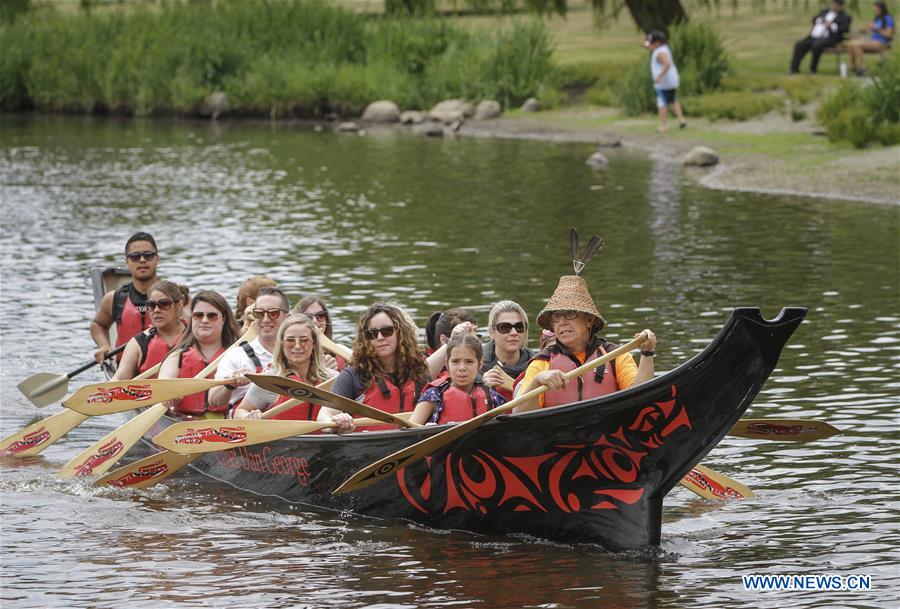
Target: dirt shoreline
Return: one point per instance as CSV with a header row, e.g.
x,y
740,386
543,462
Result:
x,y
810,167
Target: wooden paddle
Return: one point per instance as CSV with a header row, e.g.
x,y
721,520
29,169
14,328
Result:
x,y
713,485
106,451
38,436
44,388
783,430
387,466
334,348
111,397
317,395
157,467
212,436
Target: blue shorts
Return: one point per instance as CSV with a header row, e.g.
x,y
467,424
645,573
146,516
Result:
x,y
664,97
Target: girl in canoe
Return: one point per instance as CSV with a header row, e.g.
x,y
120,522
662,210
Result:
x,y
386,370
213,329
165,302
463,394
314,308
298,355
440,326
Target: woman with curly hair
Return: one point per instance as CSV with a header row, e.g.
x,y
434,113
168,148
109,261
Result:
x,y
386,370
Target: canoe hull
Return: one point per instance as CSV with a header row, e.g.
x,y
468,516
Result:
x,y
591,472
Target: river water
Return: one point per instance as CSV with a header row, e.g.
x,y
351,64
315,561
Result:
x,y
434,223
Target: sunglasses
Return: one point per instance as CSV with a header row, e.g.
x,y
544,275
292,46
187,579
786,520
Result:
x,y
385,331
290,341
560,315
200,316
271,313
137,256
163,305
320,315
504,327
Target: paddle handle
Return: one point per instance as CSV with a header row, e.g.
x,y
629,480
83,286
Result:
x,y
108,355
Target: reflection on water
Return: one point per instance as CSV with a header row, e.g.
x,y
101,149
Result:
x,y
432,224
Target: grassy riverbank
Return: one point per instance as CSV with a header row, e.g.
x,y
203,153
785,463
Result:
x,y
280,58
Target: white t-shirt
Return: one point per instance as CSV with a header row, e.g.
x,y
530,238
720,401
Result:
x,y
820,29
671,79
237,359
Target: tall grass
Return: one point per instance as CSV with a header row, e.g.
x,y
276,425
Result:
x,y
272,57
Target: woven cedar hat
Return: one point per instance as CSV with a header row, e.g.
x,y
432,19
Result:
x,y
572,293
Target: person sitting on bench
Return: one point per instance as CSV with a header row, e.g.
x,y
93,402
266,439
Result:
x,y
882,31
828,30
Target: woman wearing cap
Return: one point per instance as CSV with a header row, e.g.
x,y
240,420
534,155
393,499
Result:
x,y
505,354
573,317
665,79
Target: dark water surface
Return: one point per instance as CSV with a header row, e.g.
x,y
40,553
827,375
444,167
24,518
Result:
x,y
432,224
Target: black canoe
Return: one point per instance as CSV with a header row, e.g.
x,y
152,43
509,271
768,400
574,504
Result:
x,y
595,471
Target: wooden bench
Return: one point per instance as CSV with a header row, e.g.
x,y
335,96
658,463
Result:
x,y
840,51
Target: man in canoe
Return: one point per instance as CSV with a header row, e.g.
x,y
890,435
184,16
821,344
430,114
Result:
x,y
270,311
127,306
573,317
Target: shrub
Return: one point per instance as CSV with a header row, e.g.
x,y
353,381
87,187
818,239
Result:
x,y
863,115
732,105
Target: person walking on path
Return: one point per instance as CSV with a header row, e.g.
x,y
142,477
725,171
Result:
x,y
665,79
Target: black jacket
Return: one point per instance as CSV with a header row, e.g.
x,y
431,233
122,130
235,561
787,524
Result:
x,y
842,21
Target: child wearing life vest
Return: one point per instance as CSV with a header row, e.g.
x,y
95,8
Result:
x,y
463,395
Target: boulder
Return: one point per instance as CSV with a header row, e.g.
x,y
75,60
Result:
x,y
701,156
412,117
487,109
347,127
383,111
597,161
214,104
451,110
531,105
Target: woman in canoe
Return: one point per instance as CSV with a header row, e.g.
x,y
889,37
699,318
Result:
x,y
213,329
165,302
440,325
505,356
314,308
573,317
386,370
463,394
246,296
298,355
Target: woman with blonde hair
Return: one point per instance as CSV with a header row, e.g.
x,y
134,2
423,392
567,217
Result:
x,y
505,355
386,370
298,355
314,307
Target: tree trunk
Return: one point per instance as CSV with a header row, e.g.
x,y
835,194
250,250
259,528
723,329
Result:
x,y
656,14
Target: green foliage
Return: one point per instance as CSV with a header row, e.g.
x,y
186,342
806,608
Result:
x,y
797,115
274,58
863,115
408,8
10,9
732,105
702,64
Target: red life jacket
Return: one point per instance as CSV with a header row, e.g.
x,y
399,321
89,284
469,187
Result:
x,y
459,405
153,349
304,411
130,313
386,396
602,381
191,362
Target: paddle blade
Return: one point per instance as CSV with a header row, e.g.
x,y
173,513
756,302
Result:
x,y
191,437
118,396
105,452
44,388
38,436
710,484
147,471
783,430
309,393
